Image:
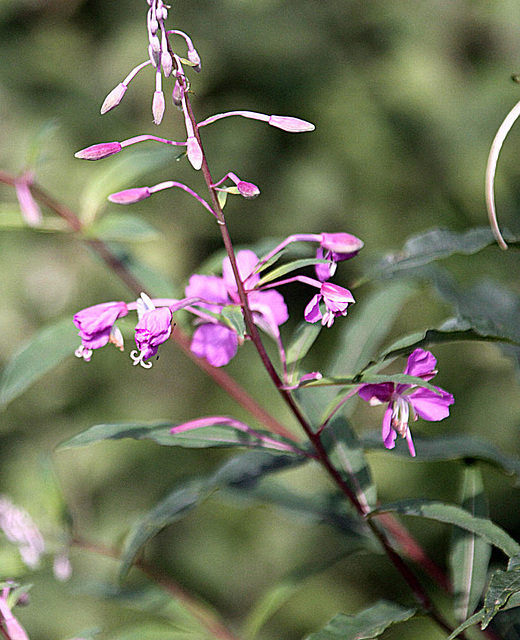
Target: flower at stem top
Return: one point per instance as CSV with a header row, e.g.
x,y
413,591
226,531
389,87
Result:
x,y
405,399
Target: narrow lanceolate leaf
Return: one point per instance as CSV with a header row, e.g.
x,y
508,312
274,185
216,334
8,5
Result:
x,y
503,585
469,553
424,248
160,432
123,228
302,340
279,272
449,448
37,357
174,507
370,623
452,514
474,619
346,454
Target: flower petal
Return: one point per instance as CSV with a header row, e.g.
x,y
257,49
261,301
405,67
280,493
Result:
x,y
431,406
214,342
377,393
421,364
246,263
312,311
388,433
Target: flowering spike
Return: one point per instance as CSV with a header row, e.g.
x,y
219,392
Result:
x,y
290,124
130,196
99,151
114,98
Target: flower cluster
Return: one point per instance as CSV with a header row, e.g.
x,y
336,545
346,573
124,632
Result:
x,y
403,400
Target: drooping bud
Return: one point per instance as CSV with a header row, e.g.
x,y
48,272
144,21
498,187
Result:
x,y
290,124
154,51
342,246
248,190
158,107
130,196
194,58
114,98
99,151
177,94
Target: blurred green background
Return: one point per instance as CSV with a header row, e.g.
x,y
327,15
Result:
x,y
406,97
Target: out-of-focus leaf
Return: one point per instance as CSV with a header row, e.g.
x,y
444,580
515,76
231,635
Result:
x,y
302,340
154,631
11,218
474,619
284,269
449,447
38,356
159,432
121,172
154,283
174,507
120,227
452,514
370,623
346,454
436,244
469,553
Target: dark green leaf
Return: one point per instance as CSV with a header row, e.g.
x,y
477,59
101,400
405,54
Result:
x,y
159,432
37,357
118,227
289,267
502,586
475,618
346,454
449,448
370,623
302,340
469,553
452,514
424,248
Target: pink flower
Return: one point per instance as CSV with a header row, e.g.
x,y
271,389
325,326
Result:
x,y
336,247
96,327
154,328
216,342
336,301
403,399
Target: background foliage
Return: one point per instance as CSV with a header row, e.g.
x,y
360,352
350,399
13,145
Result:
x,y
406,98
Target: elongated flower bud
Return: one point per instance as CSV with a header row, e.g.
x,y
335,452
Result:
x,y
158,107
114,98
99,151
290,124
194,153
248,189
130,196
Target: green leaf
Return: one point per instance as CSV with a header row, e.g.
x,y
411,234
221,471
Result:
x,y
502,586
450,447
475,618
346,454
46,349
174,507
118,227
222,198
235,319
370,623
452,514
424,248
284,269
374,378
11,218
159,432
304,337
469,553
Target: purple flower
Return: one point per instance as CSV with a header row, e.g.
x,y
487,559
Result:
x,y
216,342
336,301
96,327
99,151
403,399
28,206
154,328
336,247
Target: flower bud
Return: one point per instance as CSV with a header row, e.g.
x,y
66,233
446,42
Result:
x,y
177,94
114,98
166,63
130,196
341,245
194,58
248,189
158,106
194,152
99,151
290,124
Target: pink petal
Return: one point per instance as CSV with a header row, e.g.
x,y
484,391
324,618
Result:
x,y
431,406
214,342
421,364
312,311
246,262
388,432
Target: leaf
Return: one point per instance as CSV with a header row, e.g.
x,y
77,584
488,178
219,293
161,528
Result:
x,y
159,432
174,507
452,514
424,248
235,319
123,228
289,267
373,378
450,448
469,553
46,349
304,337
370,623
346,455
11,218
502,586
475,618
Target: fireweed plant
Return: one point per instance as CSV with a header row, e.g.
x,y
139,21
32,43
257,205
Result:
x,y
242,300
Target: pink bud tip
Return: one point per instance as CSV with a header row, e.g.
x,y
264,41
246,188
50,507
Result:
x,y
248,189
194,153
341,243
158,107
293,125
99,151
194,58
114,98
130,196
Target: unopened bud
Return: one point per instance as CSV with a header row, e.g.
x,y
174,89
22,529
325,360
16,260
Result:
x,y
292,125
154,51
248,190
114,98
99,151
130,196
166,63
342,245
158,107
194,58
194,153
177,94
